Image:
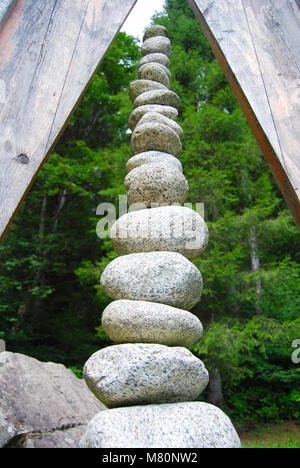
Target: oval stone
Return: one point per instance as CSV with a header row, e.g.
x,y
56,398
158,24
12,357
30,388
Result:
x,y
138,87
184,425
127,321
164,97
164,277
156,30
137,374
159,118
167,228
156,57
139,112
155,137
155,184
149,157
156,44
155,72
143,67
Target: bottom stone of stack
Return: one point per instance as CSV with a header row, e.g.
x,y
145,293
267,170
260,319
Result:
x,y
170,425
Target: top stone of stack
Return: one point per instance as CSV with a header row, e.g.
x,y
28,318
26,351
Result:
x,y
155,30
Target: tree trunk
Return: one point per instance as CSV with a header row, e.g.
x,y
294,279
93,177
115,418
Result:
x,y
255,263
215,392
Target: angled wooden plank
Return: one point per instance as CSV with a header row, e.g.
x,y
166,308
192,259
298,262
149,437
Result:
x,y
49,51
6,7
258,46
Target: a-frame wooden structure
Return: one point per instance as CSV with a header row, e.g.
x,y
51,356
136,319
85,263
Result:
x,y
49,51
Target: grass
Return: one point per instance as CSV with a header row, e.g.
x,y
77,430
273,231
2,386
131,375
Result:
x,y
285,435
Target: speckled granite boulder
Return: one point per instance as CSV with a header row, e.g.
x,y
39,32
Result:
x,y
155,117
141,86
149,157
171,425
132,374
127,321
156,183
167,228
164,97
155,72
156,57
154,136
139,112
155,44
164,277
155,30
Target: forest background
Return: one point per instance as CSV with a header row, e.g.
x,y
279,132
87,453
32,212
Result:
x,y
51,258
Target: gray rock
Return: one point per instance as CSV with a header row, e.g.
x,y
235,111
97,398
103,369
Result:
x,y
41,401
171,425
156,44
154,117
164,277
156,57
133,374
155,30
155,64
138,87
155,72
158,96
168,228
138,113
149,157
155,183
155,137
149,322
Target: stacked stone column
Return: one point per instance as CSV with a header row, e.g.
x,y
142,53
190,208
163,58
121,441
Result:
x,y
148,378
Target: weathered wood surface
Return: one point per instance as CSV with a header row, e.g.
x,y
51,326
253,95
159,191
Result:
x,y
257,43
49,51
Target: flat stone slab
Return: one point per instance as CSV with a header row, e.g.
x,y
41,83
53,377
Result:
x,y
148,322
172,425
155,117
154,136
167,228
155,44
155,72
164,97
149,157
155,183
137,114
156,30
133,374
156,57
138,87
164,277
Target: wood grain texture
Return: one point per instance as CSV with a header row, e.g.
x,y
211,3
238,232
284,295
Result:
x,y
258,46
49,51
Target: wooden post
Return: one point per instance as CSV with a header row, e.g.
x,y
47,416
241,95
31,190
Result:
x,y
257,43
49,51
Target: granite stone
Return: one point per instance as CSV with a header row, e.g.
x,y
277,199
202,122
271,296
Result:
x,y
138,87
155,30
139,112
149,157
156,57
164,97
155,72
153,117
155,44
154,136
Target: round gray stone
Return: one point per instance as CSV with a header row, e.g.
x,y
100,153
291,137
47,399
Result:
x,y
152,157
133,374
138,87
168,228
155,72
155,30
155,183
155,44
138,113
164,277
159,118
127,321
154,136
170,425
164,97
146,65
156,57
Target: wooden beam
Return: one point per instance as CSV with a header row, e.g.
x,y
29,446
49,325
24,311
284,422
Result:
x,y
258,46
49,51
